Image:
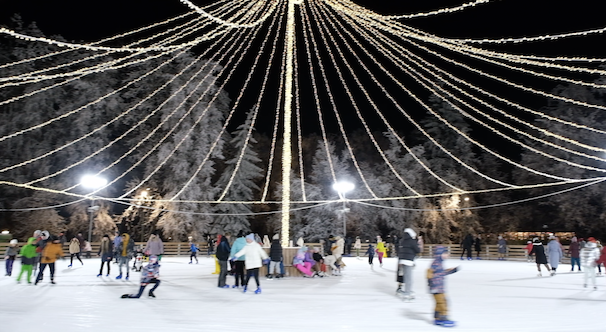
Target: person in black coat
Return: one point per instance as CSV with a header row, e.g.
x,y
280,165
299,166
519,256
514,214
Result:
x,y
466,245
223,250
275,256
539,253
477,243
407,249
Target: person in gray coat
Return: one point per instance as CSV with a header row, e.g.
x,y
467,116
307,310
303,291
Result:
x,y
554,252
502,246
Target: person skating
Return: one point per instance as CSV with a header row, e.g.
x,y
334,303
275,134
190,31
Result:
x,y
275,255
154,246
357,246
193,249
371,254
28,259
116,244
238,245
254,260
477,243
435,280
106,251
222,254
11,253
574,251
408,249
74,250
502,247
590,257
150,274
125,253
466,245
381,251
554,251
51,252
539,253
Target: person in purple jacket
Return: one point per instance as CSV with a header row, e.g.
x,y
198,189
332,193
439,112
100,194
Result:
x,y
574,250
435,280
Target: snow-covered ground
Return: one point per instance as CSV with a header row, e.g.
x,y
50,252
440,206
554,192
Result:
x,y
483,296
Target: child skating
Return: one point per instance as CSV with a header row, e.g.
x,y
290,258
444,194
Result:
x,y
193,249
28,259
149,275
11,253
371,254
435,279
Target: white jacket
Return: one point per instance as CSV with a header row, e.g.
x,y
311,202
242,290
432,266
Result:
x,y
589,255
254,255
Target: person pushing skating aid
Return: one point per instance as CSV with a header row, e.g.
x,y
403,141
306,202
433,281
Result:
x,y
149,275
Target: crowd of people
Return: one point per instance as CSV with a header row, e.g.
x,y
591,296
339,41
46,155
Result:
x,y
245,255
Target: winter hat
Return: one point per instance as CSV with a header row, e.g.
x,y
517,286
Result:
x,y
536,240
14,241
574,239
591,239
153,259
276,237
44,235
241,234
411,232
251,237
440,250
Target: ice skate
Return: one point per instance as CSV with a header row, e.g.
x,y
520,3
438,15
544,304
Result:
x,y
244,289
444,323
258,291
119,277
234,286
151,294
98,275
126,277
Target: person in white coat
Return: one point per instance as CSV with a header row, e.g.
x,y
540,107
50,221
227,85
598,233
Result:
x,y
589,255
554,253
254,256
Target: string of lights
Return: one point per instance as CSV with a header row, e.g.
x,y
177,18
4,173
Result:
x,y
361,11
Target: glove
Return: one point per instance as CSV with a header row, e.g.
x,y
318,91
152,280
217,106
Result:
x,y
232,259
266,261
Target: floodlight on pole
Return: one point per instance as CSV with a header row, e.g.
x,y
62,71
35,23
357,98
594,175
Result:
x,y
92,182
343,187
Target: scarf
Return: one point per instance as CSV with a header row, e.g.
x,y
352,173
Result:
x,y
125,241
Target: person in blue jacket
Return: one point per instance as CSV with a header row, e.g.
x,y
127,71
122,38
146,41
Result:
x,y
238,245
193,249
435,280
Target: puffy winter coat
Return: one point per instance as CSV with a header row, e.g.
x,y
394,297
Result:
x,y
436,273
381,248
589,255
74,246
238,245
574,249
254,255
408,248
28,252
275,251
554,249
502,245
223,249
539,253
51,252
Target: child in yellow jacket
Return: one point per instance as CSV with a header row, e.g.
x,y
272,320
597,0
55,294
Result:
x,y
51,252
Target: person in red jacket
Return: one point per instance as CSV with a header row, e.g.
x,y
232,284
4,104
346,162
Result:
x,y
602,259
528,249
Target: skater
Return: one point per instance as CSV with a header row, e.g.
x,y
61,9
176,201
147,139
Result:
x,y
51,252
348,244
223,250
435,280
11,253
193,249
466,245
371,254
554,251
358,246
149,275
338,249
87,249
421,243
275,255
408,249
574,252
74,250
255,255
105,251
81,241
40,243
590,257
125,253
477,243
502,247
28,259
116,244
539,254
154,246
381,252
238,245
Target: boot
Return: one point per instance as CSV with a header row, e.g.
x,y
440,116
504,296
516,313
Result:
x,y
151,294
119,277
244,290
258,291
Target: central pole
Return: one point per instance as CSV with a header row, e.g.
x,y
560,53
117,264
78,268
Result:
x,y
286,144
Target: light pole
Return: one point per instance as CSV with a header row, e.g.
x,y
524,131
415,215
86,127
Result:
x,y
343,187
92,182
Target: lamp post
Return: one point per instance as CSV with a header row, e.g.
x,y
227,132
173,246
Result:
x,y
92,182
343,187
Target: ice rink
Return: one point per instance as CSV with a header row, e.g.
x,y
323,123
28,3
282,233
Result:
x,y
483,296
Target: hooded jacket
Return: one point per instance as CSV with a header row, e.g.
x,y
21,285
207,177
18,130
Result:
x,y
223,249
51,252
254,255
238,245
408,248
436,273
589,255
28,252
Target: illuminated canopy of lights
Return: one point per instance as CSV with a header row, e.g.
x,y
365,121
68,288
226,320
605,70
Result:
x,y
340,46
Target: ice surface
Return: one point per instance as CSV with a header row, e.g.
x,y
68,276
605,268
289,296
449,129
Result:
x,y
483,296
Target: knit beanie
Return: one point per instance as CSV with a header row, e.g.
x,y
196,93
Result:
x,y
251,237
276,237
